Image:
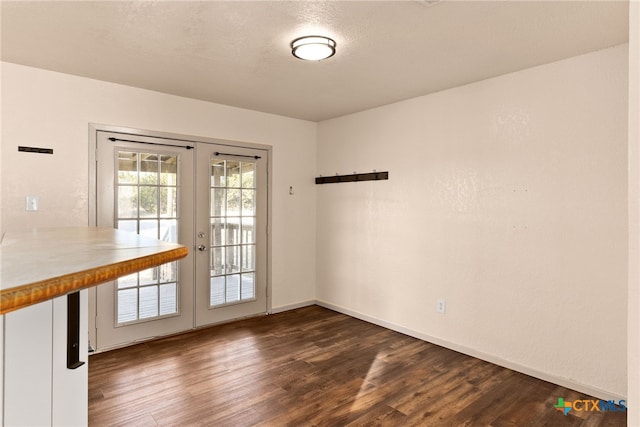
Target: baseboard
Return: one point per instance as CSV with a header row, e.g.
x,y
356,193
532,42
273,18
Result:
x,y
564,382
288,307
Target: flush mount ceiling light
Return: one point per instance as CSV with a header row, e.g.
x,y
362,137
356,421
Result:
x,y
313,48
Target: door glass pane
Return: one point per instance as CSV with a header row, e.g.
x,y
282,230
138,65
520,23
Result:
x,y
148,302
233,217
168,202
148,168
248,235
248,257
131,226
148,199
146,203
248,202
217,261
168,298
128,281
218,201
149,228
233,288
233,174
233,259
218,232
216,296
233,230
247,286
169,230
248,175
233,202
148,276
217,173
168,170
127,305
168,272
127,167
127,201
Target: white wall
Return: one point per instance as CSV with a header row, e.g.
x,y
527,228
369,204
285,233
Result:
x,y
1,134
53,110
507,198
633,323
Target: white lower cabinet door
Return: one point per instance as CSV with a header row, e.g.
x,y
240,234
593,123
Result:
x,y
39,389
27,374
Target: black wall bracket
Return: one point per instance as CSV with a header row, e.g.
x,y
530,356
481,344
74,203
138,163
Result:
x,y
371,176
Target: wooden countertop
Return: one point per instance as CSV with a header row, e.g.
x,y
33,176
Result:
x,y
44,263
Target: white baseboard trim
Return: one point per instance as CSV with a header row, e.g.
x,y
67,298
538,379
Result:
x,y
288,307
564,382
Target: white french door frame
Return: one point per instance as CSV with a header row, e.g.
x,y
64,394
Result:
x,y
94,128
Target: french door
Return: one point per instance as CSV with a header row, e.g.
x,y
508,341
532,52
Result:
x,y
231,258
208,197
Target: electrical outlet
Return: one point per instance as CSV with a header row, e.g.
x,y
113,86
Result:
x,y
441,306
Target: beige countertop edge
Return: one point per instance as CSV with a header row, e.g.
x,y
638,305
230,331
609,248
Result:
x,y
25,295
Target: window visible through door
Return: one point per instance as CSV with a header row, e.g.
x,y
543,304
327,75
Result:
x,y
146,203
233,241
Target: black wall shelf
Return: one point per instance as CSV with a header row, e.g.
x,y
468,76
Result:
x,y
371,176
35,150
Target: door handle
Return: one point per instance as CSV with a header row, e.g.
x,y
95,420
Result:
x,y
202,248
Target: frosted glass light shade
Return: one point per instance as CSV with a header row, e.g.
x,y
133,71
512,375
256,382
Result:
x,y
313,48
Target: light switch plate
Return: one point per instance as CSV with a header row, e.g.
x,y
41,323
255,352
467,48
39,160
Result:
x,y
33,203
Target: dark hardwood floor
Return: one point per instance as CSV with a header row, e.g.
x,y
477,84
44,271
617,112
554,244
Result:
x,y
316,367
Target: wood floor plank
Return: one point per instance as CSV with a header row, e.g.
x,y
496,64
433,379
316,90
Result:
x,y
316,367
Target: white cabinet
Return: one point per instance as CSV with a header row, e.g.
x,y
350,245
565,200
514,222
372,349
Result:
x,y
27,374
39,390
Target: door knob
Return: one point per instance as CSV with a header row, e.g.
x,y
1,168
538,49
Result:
x,y
202,248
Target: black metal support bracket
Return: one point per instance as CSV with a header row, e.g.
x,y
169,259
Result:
x,y
73,331
371,176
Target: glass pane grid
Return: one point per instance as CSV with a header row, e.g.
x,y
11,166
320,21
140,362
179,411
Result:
x,y
232,236
147,302
146,203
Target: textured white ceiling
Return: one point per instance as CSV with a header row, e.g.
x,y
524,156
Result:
x,y
237,52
